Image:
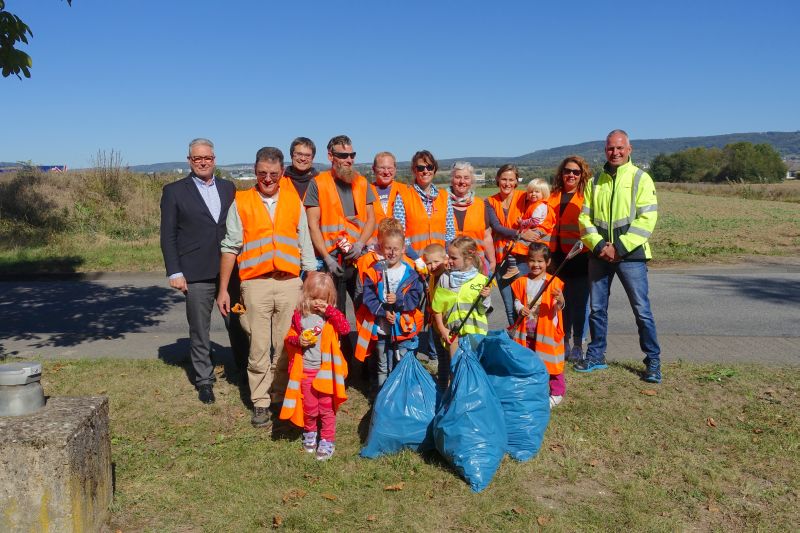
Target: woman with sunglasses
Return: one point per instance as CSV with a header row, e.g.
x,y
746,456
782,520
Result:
x,y
505,210
566,201
471,217
425,212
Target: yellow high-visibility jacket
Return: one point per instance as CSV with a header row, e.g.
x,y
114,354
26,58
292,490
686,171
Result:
x,y
621,210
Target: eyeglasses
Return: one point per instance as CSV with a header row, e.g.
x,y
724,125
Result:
x,y
573,171
201,158
301,155
271,175
344,155
421,168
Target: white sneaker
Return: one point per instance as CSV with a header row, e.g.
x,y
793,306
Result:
x,y
555,400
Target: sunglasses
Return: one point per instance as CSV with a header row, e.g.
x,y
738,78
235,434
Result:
x,y
421,168
573,171
344,155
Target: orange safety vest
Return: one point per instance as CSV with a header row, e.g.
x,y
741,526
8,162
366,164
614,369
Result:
x,y
411,322
422,229
515,211
267,245
549,337
474,223
380,214
547,224
333,223
329,379
566,227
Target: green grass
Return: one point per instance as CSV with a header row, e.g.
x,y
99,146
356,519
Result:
x,y
691,228
713,448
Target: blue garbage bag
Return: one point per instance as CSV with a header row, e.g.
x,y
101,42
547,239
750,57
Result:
x,y
521,382
469,429
403,411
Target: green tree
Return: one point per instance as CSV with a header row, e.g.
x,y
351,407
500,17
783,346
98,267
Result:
x,y
12,32
749,162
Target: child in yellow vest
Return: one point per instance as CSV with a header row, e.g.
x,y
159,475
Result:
x,y
456,291
542,328
316,366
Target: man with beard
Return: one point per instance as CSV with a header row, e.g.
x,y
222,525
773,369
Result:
x,y
267,235
301,171
341,217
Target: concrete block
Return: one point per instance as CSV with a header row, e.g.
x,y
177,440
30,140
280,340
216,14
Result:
x,y
55,467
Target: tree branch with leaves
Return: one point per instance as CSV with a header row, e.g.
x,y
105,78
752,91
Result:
x,y
14,31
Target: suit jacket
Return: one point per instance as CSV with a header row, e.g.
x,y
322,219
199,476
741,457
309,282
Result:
x,y
190,237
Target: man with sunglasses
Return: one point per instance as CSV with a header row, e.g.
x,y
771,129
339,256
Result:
x,y
341,217
193,212
619,214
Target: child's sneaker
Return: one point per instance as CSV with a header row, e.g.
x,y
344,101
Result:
x,y
310,441
325,450
511,272
555,400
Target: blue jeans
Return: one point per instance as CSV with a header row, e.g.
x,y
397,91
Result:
x,y
633,275
576,312
505,287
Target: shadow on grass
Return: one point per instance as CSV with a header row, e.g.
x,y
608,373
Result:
x,y
64,267
177,354
635,369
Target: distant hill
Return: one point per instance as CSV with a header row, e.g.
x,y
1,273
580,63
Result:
x,y
644,150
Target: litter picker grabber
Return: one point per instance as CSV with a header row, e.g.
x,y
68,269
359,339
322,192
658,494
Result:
x,y
575,250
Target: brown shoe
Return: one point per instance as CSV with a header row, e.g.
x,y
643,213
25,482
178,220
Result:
x,y
262,418
511,272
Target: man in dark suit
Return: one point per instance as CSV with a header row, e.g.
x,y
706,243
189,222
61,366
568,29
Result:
x,y
193,213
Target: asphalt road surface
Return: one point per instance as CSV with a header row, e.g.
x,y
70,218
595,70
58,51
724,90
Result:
x,y
741,313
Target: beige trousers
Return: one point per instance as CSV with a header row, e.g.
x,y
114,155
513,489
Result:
x,y
269,304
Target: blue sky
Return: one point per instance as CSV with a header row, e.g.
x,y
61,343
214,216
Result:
x,y
461,78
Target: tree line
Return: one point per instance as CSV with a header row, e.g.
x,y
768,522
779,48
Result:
x,y
741,162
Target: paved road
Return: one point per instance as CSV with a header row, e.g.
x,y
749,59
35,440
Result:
x,y
710,313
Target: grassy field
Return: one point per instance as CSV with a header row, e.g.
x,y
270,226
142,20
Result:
x,y
74,223
715,448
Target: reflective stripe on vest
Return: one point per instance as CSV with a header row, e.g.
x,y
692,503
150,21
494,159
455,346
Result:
x,y
421,229
380,214
474,223
466,296
269,245
328,380
549,344
567,230
516,210
332,222
621,225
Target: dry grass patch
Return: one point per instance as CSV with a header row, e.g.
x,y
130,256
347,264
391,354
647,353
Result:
x,y
713,448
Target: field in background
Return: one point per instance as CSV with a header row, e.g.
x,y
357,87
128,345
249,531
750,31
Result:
x,y
713,448
107,219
